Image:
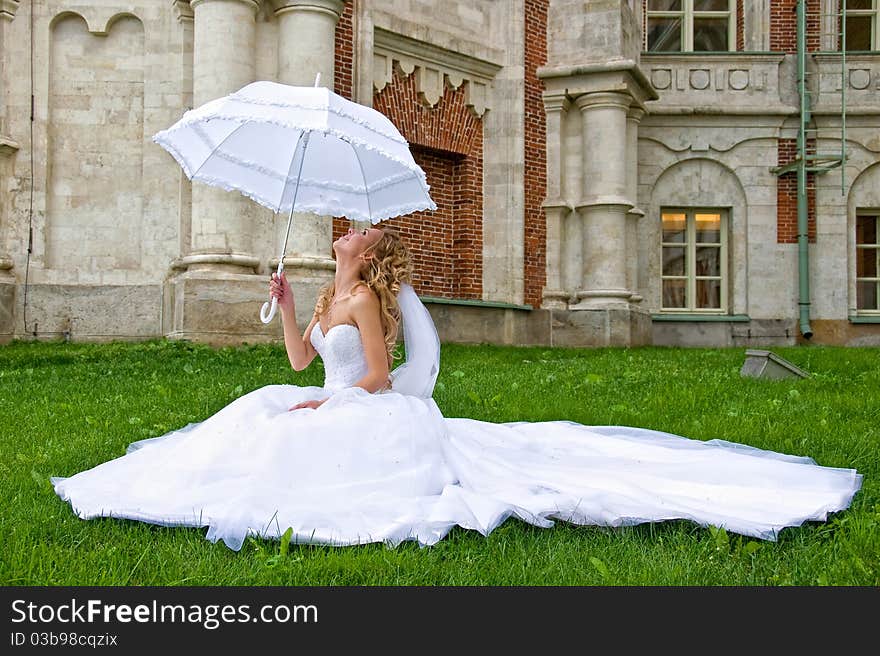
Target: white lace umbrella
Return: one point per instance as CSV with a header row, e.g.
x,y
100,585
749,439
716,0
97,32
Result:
x,y
300,148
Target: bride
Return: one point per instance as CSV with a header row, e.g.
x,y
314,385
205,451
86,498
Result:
x,y
369,457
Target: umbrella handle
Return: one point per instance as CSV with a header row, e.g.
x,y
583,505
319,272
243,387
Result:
x,y
264,317
267,312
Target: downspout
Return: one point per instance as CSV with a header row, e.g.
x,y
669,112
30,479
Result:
x,y
802,223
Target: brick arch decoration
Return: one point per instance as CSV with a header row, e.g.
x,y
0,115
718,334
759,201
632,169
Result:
x,y
447,142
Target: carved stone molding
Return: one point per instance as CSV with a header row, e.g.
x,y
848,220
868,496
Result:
x,y
183,11
8,147
334,7
255,4
8,9
434,68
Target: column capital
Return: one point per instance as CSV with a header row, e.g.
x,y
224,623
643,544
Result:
x,y
253,4
183,10
603,99
8,9
556,102
635,113
334,7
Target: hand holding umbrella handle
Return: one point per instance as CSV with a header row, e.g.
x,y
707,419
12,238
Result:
x,y
267,312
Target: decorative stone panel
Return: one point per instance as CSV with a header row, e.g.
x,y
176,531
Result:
x,y
434,69
860,80
716,83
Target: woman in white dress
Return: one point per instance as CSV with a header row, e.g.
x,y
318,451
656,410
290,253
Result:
x,y
369,457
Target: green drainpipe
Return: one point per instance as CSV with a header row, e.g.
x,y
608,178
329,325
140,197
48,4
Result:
x,y
803,244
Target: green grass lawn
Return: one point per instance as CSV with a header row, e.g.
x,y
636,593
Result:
x,y
69,407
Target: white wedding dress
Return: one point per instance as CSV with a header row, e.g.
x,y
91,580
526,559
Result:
x,y
390,467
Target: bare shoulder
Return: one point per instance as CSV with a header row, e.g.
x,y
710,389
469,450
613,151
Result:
x,y
362,295
363,301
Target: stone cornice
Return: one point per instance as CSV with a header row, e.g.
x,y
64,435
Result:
x,y
654,58
618,66
434,67
8,9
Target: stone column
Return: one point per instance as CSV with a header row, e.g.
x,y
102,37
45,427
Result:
x,y
633,118
604,204
556,209
215,294
593,51
306,47
223,62
8,148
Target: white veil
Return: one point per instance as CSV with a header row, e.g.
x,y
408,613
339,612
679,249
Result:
x,y
418,373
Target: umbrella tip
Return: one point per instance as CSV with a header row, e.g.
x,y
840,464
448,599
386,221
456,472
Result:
x,y
317,79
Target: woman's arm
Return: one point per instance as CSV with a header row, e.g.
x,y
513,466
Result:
x,y
365,311
300,351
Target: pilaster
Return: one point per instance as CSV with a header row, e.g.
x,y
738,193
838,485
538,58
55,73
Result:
x,y
306,48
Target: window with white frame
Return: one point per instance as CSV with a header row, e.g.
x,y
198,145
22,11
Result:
x,y
868,263
690,25
694,260
862,24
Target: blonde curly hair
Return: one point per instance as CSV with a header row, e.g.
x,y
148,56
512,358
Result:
x,y
384,273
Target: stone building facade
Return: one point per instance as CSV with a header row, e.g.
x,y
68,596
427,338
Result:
x,y
606,171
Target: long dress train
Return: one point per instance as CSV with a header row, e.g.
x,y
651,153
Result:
x,y
390,467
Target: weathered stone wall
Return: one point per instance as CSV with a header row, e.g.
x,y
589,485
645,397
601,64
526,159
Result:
x,y
722,123
105,218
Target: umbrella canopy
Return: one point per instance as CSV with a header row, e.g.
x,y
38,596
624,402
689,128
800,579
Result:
x,y
303,149
356,164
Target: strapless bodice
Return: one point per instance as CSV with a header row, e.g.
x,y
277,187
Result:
x,y
342,353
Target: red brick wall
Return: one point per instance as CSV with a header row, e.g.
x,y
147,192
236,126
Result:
x,y
447,142
535,155
783,26
786,198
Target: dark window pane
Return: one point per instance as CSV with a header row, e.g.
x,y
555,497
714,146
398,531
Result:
x,y
710,34
709,294
858,4
858,32
708,228
711,5
674,226
674,293
664,5
866,229
673,261
866,262
866,295
708,261
664,34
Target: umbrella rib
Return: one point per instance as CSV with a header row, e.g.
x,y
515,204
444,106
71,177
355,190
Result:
x,y
364,177
211,154
305,134
290,170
